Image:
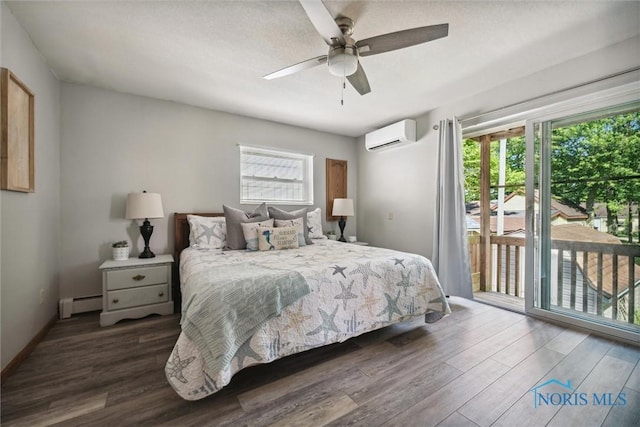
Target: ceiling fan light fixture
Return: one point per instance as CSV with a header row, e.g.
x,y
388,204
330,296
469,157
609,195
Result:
x,y
343,61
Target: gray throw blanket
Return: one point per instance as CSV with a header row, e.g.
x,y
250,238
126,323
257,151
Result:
x,y
225,305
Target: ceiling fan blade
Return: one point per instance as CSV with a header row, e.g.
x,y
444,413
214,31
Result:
x,y
401,39
323,21
309,63
359,81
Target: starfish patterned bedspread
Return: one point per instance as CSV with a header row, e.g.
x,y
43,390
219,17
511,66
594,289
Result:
x,y
353,289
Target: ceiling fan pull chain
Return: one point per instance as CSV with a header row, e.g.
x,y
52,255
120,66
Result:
x,y
344,86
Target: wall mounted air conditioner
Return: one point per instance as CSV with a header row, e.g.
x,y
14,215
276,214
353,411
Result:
x,y
395,135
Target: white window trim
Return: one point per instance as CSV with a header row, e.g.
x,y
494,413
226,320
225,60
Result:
x,y
515,115
308,179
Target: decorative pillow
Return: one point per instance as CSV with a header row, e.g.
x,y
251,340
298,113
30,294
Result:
x,y
235,217
314,224
250,232
270,238
297,223
300,213
207,232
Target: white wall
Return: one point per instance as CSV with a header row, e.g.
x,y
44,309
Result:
x,y
114,143
402,181
30,222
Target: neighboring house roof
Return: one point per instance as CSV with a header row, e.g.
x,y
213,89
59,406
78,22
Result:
x,y
580,233
512,224
472,224
514,220
558,208
567,211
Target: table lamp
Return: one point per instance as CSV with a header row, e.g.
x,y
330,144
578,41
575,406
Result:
x,y
144,206
342,208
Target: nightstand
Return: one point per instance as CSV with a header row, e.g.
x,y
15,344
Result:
x,y
135,288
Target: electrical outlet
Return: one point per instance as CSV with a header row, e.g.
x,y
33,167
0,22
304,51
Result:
x,y
41,296
390,216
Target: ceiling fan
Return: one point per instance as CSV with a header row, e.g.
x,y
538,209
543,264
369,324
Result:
x,y
344,52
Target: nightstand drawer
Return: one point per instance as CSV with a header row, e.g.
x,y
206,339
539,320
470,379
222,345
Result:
x,y
144,295
140,276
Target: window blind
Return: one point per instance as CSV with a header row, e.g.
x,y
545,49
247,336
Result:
x,y
275,176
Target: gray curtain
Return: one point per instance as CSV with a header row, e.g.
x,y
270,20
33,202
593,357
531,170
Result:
x,y
450,243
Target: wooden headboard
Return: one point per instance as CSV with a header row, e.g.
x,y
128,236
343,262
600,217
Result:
x,y
181,232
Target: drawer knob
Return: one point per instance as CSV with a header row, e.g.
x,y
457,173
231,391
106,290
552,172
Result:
x,y
138,277
115,300
161,294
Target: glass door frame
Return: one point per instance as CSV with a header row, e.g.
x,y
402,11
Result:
x,y
538,251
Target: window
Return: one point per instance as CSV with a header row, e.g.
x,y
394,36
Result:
x,y
581,251
273,176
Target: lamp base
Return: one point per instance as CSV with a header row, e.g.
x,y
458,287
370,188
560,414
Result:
x,y
146,229
146,253
341,223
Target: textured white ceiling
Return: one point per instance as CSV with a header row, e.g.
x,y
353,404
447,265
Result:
x,y
213,54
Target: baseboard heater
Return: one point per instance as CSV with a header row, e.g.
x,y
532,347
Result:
x,y
69,306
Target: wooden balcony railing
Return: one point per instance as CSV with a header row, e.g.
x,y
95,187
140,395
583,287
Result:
x,y
600,279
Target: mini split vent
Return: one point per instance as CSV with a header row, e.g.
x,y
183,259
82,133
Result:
x,y
395,135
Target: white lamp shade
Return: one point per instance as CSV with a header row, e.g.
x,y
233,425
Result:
x,y
144,205
342,207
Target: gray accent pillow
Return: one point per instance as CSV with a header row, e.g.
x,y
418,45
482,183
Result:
x,y
234,217
276,213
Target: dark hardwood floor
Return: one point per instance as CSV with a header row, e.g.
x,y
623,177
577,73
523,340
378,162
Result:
x,y
475,367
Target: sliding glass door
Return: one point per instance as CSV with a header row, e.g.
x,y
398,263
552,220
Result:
x,y
583,217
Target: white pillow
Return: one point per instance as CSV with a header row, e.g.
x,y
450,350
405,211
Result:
x,y
298,224
276,238
314,224
250,231
207,232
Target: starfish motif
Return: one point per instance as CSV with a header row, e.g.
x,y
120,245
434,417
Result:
x,y
297,318
405,282
420,266
411,307
424,292
319,278
392,306
328,324
353,323
208,232
245,351
371,301
208,387
176,365
366,271
275,346
399,261
346,294
339,270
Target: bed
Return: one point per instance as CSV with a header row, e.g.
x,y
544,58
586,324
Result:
x,y
343,290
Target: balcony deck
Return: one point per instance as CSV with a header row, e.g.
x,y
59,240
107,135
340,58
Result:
x,y
501,300
597,276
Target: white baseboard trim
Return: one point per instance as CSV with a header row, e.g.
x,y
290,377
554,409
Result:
x,y
69,306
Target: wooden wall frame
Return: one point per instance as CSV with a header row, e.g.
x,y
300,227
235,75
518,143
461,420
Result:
x,y
336,184
17,165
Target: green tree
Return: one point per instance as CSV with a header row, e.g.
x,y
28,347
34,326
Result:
x,y
590,161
